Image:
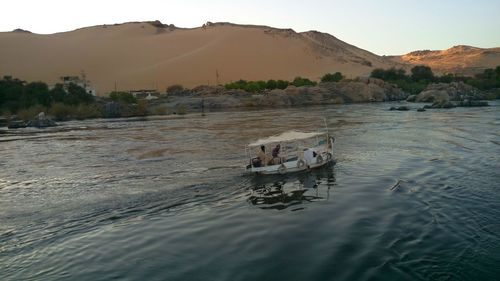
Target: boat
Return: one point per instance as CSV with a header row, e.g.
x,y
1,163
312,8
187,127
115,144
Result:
x,y
298,151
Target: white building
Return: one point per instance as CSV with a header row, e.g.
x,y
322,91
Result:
x,y
82,82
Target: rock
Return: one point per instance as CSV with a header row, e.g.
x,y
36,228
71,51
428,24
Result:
x,y
421,109
443,104
216,97
15,123
472,103
411,98
41,121
432,96
400,108
112,109
455,91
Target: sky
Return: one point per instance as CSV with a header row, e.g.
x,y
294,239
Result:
x,y
384,27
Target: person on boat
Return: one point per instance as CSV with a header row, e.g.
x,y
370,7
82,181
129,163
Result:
x,y
309,156
275,153
262,156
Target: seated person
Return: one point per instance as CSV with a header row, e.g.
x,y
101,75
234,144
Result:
x,y
309,157
262,156
275,153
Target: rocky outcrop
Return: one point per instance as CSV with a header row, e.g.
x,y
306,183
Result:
x,y
443,92
361,90
41,121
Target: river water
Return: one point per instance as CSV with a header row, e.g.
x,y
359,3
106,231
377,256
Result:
x,y
412,196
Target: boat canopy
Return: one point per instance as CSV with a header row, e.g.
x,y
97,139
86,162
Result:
x,y
286,137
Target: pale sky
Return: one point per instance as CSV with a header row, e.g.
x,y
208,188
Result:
x,y
384,27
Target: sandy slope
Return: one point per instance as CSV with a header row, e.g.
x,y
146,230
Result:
x,y
144,55
461,59
151,55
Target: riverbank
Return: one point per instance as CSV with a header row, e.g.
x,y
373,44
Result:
x,y
218,98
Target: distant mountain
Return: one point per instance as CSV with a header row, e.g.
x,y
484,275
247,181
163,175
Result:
x,y
145,55
465,60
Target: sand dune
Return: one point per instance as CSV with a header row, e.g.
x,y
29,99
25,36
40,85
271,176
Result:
x,y
148,55
145,55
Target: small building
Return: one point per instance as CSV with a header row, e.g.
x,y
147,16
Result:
x,y
145,94
82,82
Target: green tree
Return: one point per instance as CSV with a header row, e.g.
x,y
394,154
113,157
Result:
x,y
422,73
271,84
77,95
57,94
36,93
282,84
262,85
299,82
124,97
11,93
329,77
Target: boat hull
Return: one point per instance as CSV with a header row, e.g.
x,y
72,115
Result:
x,y
290,167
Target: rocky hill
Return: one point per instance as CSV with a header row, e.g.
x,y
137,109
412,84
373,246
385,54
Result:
x,y
464,60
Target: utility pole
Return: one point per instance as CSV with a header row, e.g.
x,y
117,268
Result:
x,y
216,77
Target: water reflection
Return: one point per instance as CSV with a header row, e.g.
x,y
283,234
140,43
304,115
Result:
x,y
292,191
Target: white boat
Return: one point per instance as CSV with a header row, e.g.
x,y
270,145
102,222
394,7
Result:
x,y
298,151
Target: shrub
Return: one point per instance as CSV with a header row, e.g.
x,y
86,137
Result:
x,y
142,108
84,111
281,84
175,89
299,82
31,113
335,77
123,97
422,73
180,109
271,84
61,111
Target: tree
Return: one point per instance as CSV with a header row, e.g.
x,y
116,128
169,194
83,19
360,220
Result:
x,y
335,77
57,94
282,84
271,84
175,89
299,82
11,93
37,93
77,95
422,73
124,97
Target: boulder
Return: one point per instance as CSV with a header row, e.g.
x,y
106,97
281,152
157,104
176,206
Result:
x,y
442,104
472,103
15,123
411,98
455,91
41,121
400,108
432,96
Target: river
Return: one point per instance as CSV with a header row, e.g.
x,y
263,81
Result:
x,y
411,196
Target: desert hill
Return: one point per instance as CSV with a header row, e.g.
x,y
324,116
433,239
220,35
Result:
x,y
145,55
152,55
465,60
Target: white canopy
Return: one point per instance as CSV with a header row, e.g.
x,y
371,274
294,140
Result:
x,y
286,137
